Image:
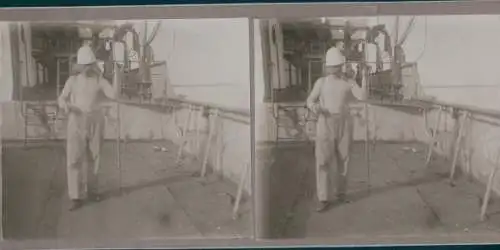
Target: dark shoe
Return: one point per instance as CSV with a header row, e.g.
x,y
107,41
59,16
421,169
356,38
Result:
x,y
323,206
342,198
75,204
94,197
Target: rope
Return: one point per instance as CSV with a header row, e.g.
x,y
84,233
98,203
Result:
x,y
154,33
409,28
425,41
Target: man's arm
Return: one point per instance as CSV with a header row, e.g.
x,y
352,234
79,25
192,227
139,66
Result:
x,y
62,100
356,93
314,95
110,91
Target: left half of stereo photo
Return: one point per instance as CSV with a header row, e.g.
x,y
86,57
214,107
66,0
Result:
x,y
134,129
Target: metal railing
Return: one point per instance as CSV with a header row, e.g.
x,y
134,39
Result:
x,y
213,113
472,114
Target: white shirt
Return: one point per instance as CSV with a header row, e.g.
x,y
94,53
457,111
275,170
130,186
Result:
x,y
83,92
334,94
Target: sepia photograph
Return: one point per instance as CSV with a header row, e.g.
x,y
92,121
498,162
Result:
x,y
378,126
118,129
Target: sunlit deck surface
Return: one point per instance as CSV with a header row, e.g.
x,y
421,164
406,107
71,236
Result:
x,y
406,198
158,200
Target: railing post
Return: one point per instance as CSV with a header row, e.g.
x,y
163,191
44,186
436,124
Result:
x,y
489,186
433,138
367,144
2,216
262,193
261,174
213,124
457,144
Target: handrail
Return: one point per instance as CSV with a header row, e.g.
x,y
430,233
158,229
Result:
x,y
236,111
459,86
482,111
223,110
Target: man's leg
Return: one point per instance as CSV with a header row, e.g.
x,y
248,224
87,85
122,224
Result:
x,y
323,173
342,171
92,181
344,150
95,144
75,153
75,177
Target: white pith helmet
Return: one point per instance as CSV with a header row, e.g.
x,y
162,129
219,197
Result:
x,y
85,33
85,56
334,57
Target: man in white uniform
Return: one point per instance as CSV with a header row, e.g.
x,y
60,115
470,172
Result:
x,y
330,99
81,100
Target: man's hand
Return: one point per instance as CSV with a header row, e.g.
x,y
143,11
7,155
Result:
x,y
350,73
314,107
64,107
74,109
67,108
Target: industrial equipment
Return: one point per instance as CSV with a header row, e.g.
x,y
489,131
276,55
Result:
x,y
53,48
294,52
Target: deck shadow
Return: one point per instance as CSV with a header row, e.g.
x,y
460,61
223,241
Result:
x,y
126,190
304,209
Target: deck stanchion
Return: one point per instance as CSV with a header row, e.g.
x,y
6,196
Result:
x,y
199,112
241,186
457,146
118,126
489,186
367,144
467,156
219,145
184,132
433,138
213,125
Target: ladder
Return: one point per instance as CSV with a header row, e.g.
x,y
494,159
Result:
x,y
43,115
64,65
293,116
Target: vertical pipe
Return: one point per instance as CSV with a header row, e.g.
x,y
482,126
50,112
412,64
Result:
x,y
2,216
58,79
394,65
432,140
489,186
213,124
309,77
184,132
26,64
219,145
241,186
457,147
25,116
260,173
277,46
198,113
367,144
118,122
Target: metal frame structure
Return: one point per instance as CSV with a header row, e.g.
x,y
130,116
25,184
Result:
x,y
46,112
316,55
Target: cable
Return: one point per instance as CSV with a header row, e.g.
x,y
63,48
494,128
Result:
x,y
169,56
408,30
425,41
154,33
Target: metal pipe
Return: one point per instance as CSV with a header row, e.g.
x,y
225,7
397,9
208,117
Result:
x,y
457,146
260,174
118,118
367,145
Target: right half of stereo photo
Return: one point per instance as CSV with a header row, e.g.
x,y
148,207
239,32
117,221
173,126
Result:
x,y
377,126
